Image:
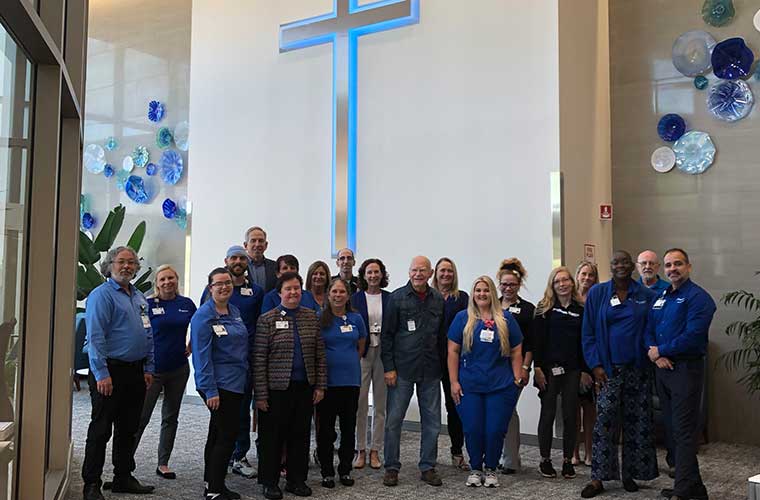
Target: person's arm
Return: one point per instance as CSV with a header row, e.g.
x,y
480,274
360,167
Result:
x,y
268,302
699,315
516,340
260,364
202,338
363,335
540,325
321,364
588,332
452,361
150,361
388,336
98,318
516,358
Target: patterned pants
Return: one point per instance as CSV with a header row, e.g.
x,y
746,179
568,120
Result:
x,y
625,402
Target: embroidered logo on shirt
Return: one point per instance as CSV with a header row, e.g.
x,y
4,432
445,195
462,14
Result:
x,y
680,300
568,313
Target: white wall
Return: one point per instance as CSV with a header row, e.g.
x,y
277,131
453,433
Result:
x,y
457,133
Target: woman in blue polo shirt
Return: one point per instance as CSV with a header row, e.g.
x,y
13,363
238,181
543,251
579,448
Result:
x,y
485,365
169,314
344,335
220,358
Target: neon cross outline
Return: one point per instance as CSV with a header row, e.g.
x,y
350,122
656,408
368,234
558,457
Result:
x,y
343,26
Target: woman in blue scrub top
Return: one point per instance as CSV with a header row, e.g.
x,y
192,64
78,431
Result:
x,y
485,364
220,358
344,335
169,314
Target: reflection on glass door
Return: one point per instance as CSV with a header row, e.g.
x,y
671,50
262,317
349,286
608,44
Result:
x,y
15,143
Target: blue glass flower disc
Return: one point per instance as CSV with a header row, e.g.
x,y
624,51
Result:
x,y
151,169
694,151
108,170
88,221
182,136
112,144
691,52
671,127
140,156
731,59
169,208
171,166
700,82
121,179
94,158
136,190
730,100
164,137
155,111
181,219
718,12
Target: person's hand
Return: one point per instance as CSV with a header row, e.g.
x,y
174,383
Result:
x,y
262,405
319,395
524,376
664,363
105,386
148,377
586,380
390,378
213,403
600,376
540,379
654,353
456,392
188,350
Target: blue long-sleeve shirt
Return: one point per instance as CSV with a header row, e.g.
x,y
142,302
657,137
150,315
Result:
x,y
118,327
220,359
272,300
679,321
659,286
248,299
170,319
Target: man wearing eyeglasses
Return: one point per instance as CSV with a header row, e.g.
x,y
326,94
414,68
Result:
x,y
648,265
346,263
120,350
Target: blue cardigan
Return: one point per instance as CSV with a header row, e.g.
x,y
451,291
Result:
x,y
359,304
596,337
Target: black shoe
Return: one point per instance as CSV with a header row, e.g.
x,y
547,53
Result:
x,y
92,492
328,482
590,491
232,495
346,480
507,470
217,496
630,485
546,469
166,475
299,490
666,492
129,484
568,470
272,492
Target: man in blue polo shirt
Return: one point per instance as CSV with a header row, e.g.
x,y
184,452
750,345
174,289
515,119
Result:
x,y
677,331
648,265
120,350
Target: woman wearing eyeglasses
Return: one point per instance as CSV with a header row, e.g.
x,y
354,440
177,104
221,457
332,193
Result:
x,y
219,341
511,277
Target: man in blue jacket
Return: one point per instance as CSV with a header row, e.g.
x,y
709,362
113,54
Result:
x,y
677,332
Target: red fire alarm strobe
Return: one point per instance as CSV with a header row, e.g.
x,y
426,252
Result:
x,y
605,212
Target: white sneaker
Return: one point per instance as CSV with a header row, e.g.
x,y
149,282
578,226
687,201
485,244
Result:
x,y
244,468
491,481
475,479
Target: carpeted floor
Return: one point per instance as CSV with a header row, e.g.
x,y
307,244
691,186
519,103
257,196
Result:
x,y
725,469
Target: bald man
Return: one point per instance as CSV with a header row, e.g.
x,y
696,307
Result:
x,y
648,264
412,332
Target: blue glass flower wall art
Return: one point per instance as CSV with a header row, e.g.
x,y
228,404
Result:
x,y
136,189
94,158
671,127
151,169
140,156
164,137
700,82
171,166
169,208
731,59
155,111
695,152
730,100
718,12
112,144
108,170
182,136
691,52
88,221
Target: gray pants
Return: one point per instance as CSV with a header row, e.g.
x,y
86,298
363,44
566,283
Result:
x,y
372,371
173,386
510,456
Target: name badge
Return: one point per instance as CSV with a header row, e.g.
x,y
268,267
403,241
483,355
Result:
x,y
486,335
246,291
658,304
411,325
145,320
219,330
374,329
614,301
346,328
280,325
558,370
157,311
514,310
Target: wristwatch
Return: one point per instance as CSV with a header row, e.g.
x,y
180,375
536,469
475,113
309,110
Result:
x,y
526,368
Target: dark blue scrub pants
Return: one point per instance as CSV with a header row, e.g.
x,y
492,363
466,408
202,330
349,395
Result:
x,y
680,391
485,420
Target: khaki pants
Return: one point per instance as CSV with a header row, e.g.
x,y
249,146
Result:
x,y
372,371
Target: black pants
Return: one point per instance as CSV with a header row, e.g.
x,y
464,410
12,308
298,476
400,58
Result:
x,y
453,423
565,385
288,423
120,411
341,403
680,391
222,429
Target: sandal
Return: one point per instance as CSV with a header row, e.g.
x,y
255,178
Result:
x,y
459,462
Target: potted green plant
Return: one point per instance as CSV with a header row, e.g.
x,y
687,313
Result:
x,y
747,357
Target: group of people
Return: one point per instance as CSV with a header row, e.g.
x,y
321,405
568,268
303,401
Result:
x,y
296,350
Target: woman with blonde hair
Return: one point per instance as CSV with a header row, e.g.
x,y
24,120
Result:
x,y
317,279
511,277
484,365
446,281
169,314
558,357
586,276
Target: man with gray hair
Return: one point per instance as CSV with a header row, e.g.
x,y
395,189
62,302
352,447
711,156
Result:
x,y
648,265
120,349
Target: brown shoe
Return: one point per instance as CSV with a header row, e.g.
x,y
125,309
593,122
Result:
x,y
360,460
374,459
431,477
390,478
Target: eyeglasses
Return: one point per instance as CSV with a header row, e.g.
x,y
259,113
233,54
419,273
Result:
x,y
509,285
122,262
221,284
647,263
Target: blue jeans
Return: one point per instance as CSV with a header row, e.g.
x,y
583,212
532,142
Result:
x,y
243,438
429,400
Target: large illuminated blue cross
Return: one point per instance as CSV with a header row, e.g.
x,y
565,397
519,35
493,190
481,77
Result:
x,y
343,26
